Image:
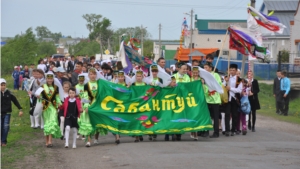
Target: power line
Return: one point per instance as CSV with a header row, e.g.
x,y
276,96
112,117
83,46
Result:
x,y
157,4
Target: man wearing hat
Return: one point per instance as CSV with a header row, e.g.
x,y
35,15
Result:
x,y
6,109
234,86
16,76
59,72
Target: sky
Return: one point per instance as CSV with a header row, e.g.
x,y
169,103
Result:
x,y
65,16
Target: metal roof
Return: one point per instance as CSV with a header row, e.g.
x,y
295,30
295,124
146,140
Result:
x,y
196,53
283,5
168,42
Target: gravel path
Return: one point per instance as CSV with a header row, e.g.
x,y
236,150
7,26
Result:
x,y
275,144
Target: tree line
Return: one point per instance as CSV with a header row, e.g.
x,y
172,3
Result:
x,y
27,48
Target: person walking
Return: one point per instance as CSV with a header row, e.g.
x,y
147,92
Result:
x,y
276,90
6,98
16,77
253,99
284,96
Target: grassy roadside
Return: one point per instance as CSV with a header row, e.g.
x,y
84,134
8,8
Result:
x,y
268,108
22,139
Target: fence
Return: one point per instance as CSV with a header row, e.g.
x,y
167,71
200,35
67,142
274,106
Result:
x,y
263,71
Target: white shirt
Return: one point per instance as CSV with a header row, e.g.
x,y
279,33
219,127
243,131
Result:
x,y
43,67
233,89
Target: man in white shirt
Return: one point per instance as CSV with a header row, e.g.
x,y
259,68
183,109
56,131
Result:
x,y
234,86
42,66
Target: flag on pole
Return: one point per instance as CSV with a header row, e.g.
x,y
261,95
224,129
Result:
x,y
271,23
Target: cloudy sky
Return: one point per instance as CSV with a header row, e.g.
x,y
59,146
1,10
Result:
x,y
65,16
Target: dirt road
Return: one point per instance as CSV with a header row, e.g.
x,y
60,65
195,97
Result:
x,y
275,144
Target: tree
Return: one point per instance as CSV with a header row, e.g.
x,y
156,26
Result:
x,y
42,32
285,56
148,48
135,32
99,28
56,36
85,48
46,48
20,50
92,20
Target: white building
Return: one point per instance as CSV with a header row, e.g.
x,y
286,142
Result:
x,y
210,33
284,11
295,37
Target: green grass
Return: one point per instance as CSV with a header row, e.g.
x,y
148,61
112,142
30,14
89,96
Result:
x,y
268,108
21,136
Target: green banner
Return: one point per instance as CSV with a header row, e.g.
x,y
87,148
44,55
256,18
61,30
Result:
x,y
141,110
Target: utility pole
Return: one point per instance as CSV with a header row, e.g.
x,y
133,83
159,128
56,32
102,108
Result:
x,y
101,51
191,31
159,54
142,41
251,62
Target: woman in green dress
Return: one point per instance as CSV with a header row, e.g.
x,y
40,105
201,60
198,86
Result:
x,y
50,100
90,93
85,127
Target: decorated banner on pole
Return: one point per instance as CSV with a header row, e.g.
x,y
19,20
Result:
x,y
141,110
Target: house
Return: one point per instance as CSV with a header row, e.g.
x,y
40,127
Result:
x,y
284,11
209,34
168,49
295,37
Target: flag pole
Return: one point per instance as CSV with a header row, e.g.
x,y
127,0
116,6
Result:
x,y
224,39
228,63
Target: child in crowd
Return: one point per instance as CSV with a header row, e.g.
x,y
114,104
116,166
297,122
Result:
x,y
171,85
66,87
6,98
85,127
242,115
139,82
72,109
195,77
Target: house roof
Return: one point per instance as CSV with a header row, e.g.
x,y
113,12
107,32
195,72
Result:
x,y
167,42
196,53
280,5
185,52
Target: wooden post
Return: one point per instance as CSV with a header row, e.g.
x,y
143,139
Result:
x,y
224,39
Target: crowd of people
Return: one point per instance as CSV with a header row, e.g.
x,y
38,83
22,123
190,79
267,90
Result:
x,y
69,86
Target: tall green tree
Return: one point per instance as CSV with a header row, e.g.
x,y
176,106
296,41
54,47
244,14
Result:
x,y
42,32
99,29
46,48
133,32
85,48
19,51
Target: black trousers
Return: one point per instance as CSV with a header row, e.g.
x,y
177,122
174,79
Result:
x,y
231,109
284,102
214,114
253,114
277,101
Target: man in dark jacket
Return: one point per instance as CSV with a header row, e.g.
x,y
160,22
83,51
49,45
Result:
x,y
77,71
6,99
71,64
276,90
